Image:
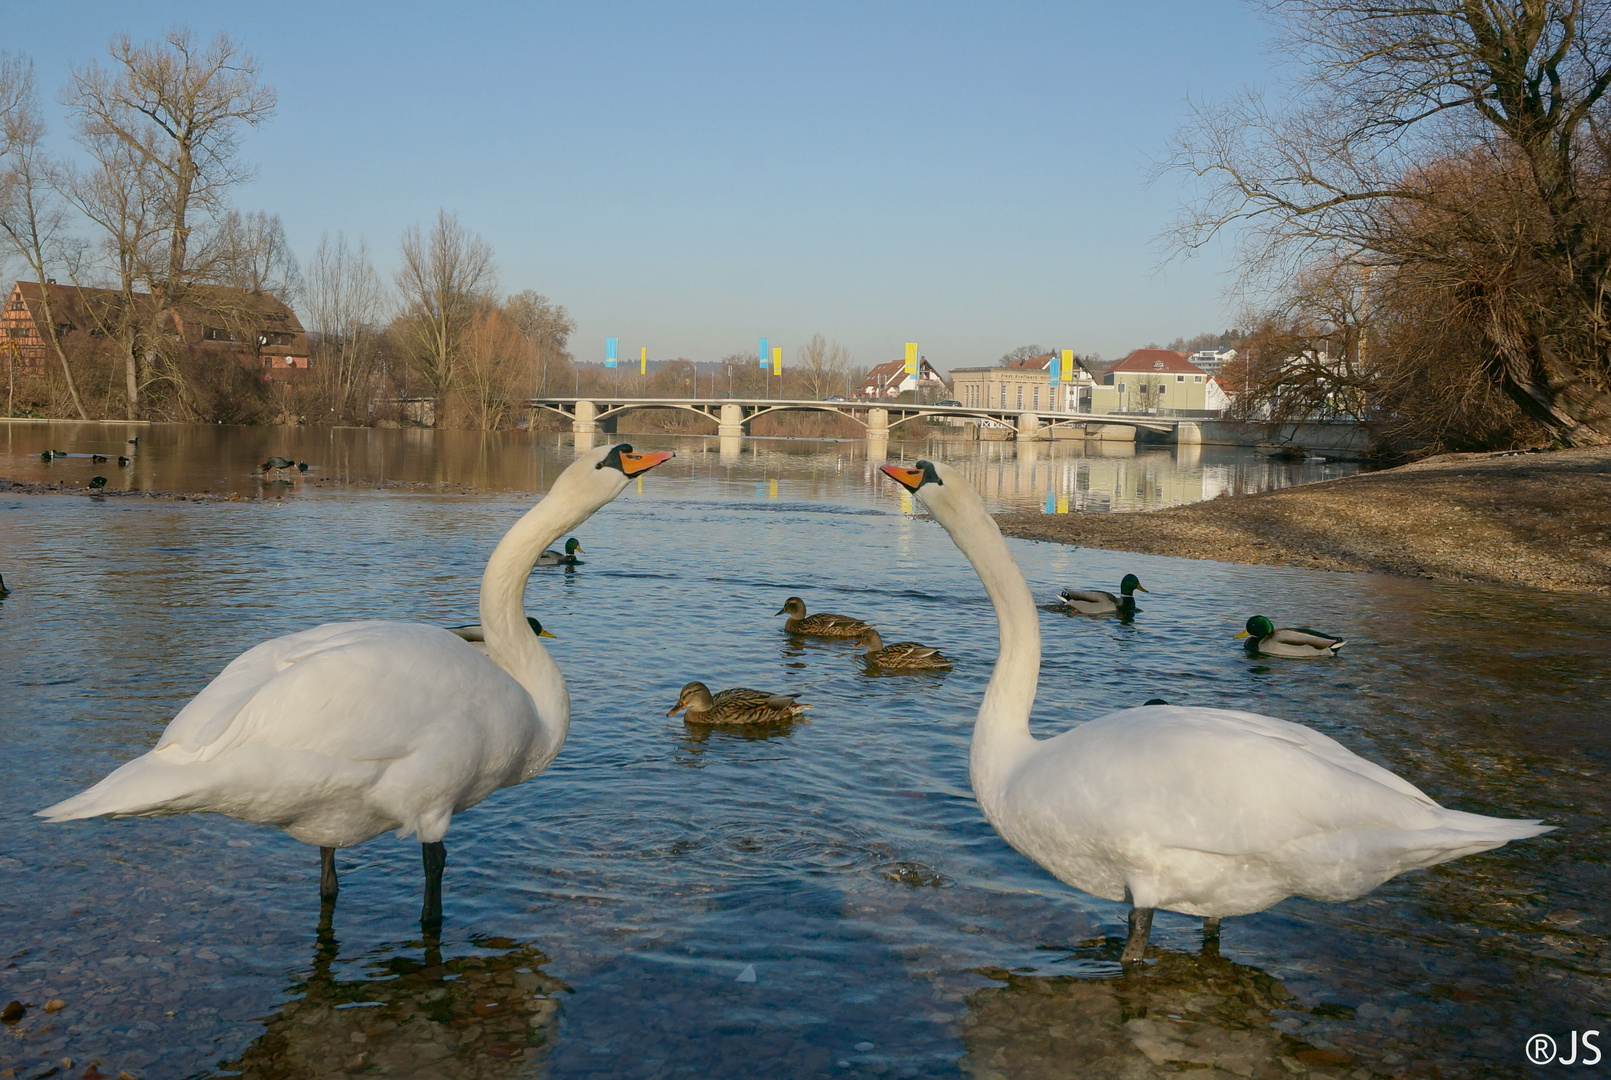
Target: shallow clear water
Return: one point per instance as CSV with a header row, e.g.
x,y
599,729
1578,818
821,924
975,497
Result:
x,y
599,917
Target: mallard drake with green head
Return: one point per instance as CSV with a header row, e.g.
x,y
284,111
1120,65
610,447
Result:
x,y
737,707
473,633
1296,641
821,624
573,548
906,655
1097,602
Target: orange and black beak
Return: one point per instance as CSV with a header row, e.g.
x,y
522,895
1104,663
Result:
x,y
677,708
638,464
910,479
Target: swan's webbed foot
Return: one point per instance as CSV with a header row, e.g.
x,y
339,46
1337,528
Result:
x,y
1135,946
1210,937
435,857
328,887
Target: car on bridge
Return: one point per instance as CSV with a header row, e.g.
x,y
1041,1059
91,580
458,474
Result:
x,y
950,401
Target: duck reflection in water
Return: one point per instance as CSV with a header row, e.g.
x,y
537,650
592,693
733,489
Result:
x,y
1184,1013
469,1017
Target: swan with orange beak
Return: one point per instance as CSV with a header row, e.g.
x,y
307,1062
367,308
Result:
x,y
347,730
1208,812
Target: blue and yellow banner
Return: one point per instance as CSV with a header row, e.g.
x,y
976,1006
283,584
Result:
x,y
1068,365
643,360
911,358
609,351
766,351
777,360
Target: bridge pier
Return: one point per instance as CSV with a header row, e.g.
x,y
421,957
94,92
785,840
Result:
x,y
1029,429
878,423
732,422
585,421
1188,434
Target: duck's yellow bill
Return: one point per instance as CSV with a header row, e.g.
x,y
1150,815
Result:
x,y
1244,634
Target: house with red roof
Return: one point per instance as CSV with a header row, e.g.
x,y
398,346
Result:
x,y
1151,380
891,380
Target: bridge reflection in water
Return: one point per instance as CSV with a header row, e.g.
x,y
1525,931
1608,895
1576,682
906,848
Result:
x,y
880,419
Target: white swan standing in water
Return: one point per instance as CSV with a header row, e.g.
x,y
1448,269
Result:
x,y
1209,812
339,733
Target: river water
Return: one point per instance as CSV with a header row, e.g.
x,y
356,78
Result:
x,y
826,901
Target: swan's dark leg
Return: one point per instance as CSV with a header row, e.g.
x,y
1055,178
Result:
x,y
327,874
1210,937
435,856
1135,947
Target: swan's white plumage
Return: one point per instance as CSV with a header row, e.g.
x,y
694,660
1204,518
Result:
x,y
1209,812
341,732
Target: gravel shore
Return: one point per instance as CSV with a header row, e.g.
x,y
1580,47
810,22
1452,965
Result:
x,y
1538,519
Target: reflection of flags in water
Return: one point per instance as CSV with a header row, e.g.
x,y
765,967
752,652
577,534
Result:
x,y
609,352
1051,502
771,489
1062,500
766,351
907,506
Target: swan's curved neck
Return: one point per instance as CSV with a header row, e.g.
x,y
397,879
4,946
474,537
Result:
x,y
510,642
1001,737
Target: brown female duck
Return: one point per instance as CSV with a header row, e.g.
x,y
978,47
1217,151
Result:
x,y
736,707
821,624
900,654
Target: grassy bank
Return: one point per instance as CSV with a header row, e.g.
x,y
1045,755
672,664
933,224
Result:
x,y
1541,520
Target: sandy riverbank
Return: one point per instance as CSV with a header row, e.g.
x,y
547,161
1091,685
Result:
x,y
1541,520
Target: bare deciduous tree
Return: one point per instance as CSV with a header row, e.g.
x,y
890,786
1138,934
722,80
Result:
x,y
1023,352
548,326
345,305
446,279
822,367
121,195
252,253
195,99
495,358
1458,142
32,219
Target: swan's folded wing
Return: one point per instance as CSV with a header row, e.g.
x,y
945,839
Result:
x,y
1220,781
284,691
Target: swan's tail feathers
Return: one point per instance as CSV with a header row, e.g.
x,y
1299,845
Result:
x,y
144,787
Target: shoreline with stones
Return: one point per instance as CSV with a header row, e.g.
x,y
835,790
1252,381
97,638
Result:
x,y
1538,519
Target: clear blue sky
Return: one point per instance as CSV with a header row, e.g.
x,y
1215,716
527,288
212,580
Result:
x,y
691,177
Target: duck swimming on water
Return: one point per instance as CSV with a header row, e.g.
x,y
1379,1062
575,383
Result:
x,y
573,548
1097,602
1297,642
737,707
821,624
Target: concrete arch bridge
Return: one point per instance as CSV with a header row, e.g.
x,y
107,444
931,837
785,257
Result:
x,y
732,416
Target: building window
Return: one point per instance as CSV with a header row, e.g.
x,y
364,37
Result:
x,y
1180,378
1036,405
1161,390
1020,397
